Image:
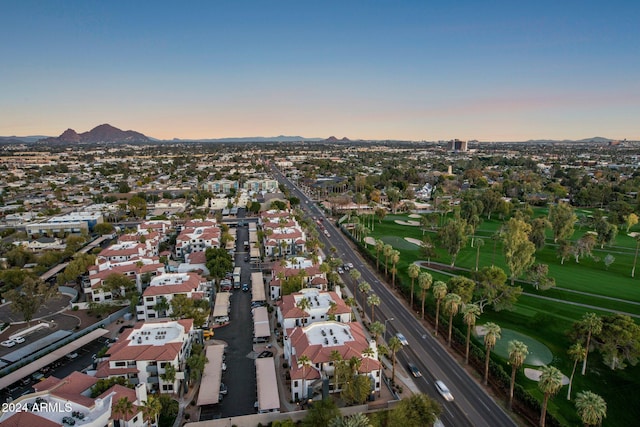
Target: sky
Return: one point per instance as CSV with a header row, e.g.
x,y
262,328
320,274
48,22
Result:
x,y
404,70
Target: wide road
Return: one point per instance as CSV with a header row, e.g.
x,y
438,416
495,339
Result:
x,y
471,406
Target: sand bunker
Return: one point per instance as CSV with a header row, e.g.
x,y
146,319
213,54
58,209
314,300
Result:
x,y
534,374
411,223
370,240
415,216
414,241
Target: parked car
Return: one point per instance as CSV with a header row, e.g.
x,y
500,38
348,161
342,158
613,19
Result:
x,y
414,370
72,355
223,389
245,287
18,340
402,339
8,343
444,391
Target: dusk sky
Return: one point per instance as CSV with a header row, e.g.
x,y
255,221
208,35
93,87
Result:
x,y
414,70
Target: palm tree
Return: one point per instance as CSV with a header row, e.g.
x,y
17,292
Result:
x,y
439,292
413,270
470,313
492,334
151,409
123,408
364,288
388,249
395,257
517,354
351,302
336,358
424,283
394,346
577,353
379,248
161,306
355,276
376,329
591,408
368,352
452,303
373,300
549,384
593,324
304,361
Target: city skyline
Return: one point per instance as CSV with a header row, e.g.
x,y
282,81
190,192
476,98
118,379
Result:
x,y
491,71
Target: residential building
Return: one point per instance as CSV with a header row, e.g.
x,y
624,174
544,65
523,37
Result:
x,y
165,287
311,305
317,342
143,353
312,276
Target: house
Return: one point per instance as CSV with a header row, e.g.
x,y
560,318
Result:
x,y
312,276
166,287
311,305
197,236
318,342
68,401
142,354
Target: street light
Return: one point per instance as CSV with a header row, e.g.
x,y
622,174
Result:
x,y
385,327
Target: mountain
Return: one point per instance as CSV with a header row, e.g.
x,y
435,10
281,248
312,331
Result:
x,y
99,134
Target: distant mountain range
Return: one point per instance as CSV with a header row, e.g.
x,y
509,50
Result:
x,y
99,134
106,133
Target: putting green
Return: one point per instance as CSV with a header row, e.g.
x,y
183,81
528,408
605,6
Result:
x,y
539,354
398,243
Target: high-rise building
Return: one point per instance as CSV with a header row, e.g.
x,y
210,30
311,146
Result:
x,y
456,145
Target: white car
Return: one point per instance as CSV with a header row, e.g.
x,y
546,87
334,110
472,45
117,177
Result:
x,y
402,339
8,343
18,340
444,391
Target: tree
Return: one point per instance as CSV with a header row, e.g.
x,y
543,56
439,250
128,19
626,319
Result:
x,y
539,275
161,306
463,286
394,346
169,374
123,408
424,283
387,252
355,420
151,409
452,304
336,358
517,354
492,333
453,237
492,289
29,297
427,249
321,413
562,218
104,384
577,353
138,206
591,408
379,248
549,384
305,362
470,313
416,410
364,288
518,249
607,232
413,271
479,244
395,257
376,329
355,276
373,300
619,341
636,236
439,292
357,389
196,362
118,285
630,220
537,235
591,323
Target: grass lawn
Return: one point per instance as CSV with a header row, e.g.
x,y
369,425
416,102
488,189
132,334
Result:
x,y
545,320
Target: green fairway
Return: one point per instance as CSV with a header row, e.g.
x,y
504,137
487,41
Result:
x,y
542,318
539,354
